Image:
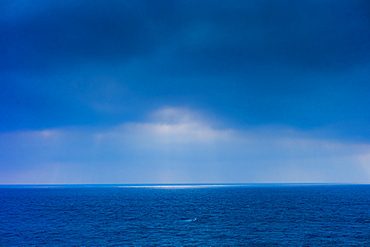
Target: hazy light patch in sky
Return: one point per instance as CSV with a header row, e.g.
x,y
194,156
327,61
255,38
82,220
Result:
x,y
178,145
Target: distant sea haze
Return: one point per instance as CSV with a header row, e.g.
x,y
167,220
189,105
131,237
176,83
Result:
x,y
185,215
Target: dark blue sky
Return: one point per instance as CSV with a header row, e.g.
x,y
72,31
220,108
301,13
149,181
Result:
x,y
270,67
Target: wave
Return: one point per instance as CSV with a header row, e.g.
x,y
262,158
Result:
x,y
189,219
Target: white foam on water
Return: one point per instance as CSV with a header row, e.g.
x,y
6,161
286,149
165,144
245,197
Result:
x,y
190,220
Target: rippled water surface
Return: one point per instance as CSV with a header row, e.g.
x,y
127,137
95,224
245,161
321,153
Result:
x,y
264,215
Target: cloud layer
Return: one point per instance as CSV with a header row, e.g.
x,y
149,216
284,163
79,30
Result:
x,y
227,35
177,145
301,64
184,91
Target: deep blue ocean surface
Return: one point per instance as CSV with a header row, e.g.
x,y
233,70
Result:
x,y
250,215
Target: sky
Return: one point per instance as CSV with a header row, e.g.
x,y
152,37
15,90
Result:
x,y
184,91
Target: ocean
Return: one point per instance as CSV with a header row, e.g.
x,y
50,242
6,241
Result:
x,y
185,215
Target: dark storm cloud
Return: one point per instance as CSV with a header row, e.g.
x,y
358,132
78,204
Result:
x,y
68,32
207,35
326,35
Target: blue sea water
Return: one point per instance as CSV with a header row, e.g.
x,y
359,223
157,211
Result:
x,y
249,215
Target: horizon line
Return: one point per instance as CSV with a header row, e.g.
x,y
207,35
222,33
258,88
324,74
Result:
x,y
176,184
